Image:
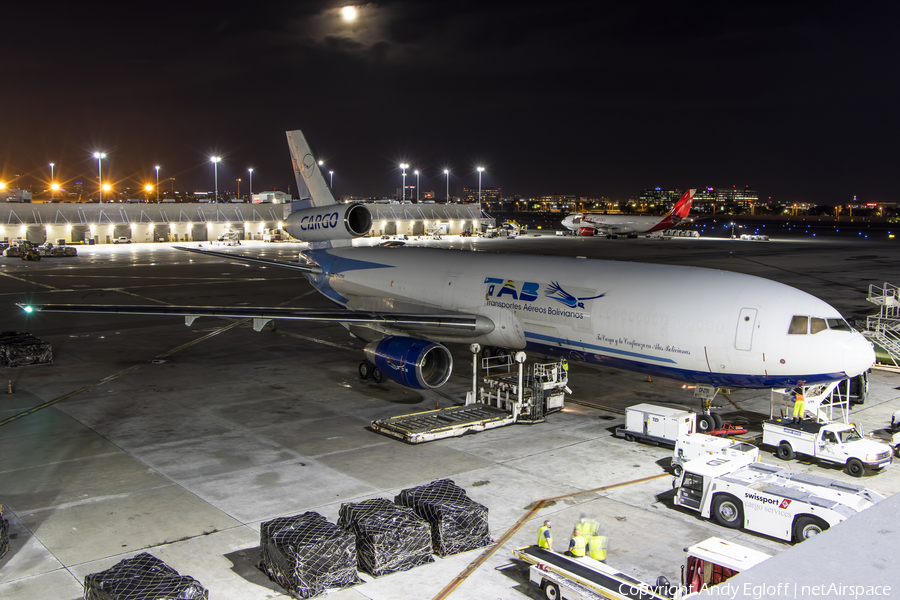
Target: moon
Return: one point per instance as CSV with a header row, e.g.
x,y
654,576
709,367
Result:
x,y
348,13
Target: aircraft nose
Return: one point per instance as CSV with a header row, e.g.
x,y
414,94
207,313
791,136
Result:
x,y
859,355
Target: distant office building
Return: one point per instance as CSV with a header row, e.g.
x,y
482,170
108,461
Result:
x,y
733,196
657,195
273,197
489,196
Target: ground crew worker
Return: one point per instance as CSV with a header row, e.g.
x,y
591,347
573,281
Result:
x,y
545,536
799,401
576,545
597,547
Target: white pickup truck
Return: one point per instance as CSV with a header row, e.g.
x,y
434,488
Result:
x,y
831,442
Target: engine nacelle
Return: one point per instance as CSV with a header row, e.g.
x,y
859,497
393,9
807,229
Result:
x,y
332,222
583,231
414,363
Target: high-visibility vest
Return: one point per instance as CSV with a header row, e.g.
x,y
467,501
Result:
x,y
577,547
545,538
597,547
798,405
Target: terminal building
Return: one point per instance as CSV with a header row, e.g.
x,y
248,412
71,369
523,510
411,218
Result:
x,y
91,223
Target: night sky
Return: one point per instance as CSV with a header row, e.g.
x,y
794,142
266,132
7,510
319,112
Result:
x,y
797,100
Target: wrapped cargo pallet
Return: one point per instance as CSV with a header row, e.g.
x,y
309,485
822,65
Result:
x,y
458,523
143,577
307,555
19,349
4,534
389,538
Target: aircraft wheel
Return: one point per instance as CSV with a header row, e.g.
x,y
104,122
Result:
x,y
728,511
377,377
855,467
785,451
365,369
717,420
551,591
807,527
705,423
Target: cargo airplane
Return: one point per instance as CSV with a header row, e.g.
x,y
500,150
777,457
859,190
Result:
x,y
690,324
630,225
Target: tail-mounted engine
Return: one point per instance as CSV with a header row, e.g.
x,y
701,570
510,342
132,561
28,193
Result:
x,y
414,363
333,222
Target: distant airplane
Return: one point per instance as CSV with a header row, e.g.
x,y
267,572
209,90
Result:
x,y
631,225
691,324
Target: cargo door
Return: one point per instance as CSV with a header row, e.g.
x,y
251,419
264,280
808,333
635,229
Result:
x,y
743,339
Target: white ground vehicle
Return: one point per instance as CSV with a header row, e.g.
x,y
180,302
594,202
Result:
x,y
778,502
713,561
122,240
832,442
656,424
707,564
696,445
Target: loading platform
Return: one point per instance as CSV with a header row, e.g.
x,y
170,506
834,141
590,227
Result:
x,y
442,423
560,576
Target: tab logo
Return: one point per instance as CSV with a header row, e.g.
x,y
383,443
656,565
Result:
x,y
784,504
528,292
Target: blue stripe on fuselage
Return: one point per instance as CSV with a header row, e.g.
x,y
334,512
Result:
x,y
335,264
723,380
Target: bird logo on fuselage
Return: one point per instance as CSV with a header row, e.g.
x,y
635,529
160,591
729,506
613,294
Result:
x,y
555,291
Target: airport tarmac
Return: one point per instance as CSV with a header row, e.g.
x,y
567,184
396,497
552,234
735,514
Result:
x,y
180,441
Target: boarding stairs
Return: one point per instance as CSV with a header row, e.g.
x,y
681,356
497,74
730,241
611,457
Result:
x,y
884,328
827,403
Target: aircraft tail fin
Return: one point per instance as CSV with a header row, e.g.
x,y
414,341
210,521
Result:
x,y
307,171
683,206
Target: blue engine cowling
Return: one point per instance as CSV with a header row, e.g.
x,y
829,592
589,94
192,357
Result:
x,y
414,363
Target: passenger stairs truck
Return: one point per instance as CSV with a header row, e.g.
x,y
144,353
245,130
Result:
x,y
840,443
781,503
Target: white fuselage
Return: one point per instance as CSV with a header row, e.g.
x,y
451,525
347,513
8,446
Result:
x,y
618,224
687,323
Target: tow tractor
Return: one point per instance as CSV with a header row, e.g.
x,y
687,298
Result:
x,y
706,564
785,504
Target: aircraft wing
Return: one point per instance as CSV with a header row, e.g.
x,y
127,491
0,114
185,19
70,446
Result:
x,y
254,260
462,325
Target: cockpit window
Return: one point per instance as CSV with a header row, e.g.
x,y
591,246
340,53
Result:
x,y
838,325
576,220
799,325
816,325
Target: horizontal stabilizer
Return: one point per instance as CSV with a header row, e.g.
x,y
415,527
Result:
x,y
254,260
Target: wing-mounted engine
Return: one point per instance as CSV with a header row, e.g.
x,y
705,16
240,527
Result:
x,y
328,223
414,363
585,231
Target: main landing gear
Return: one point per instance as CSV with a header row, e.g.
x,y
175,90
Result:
x,y
369,371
